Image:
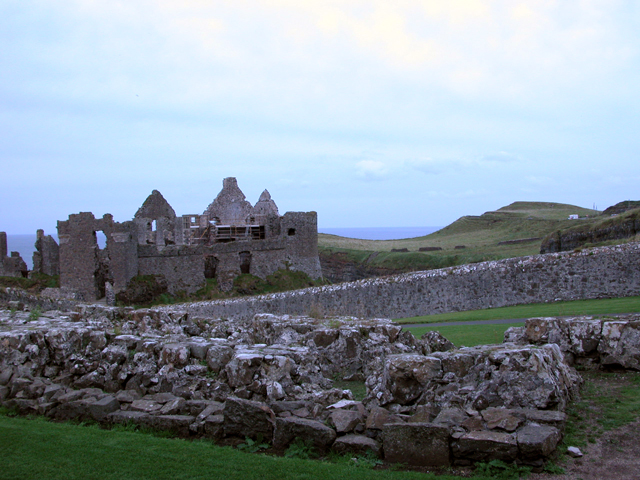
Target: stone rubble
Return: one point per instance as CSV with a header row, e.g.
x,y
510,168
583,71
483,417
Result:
x,y
273,377
585,341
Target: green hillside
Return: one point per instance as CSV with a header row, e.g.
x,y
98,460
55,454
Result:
x,y
522,225
480,234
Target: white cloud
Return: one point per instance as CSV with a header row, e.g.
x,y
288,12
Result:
x,y
371,169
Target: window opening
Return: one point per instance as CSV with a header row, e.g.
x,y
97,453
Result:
x,y
245,262
210,266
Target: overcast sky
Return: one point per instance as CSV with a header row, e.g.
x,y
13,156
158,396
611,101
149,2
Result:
x,y
372,113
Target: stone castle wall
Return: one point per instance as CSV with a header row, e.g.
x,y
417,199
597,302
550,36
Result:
x,y
602,272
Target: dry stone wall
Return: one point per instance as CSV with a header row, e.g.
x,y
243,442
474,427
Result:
x,y
595,273
271,376
586,341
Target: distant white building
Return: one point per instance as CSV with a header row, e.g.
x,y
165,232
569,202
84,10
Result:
x,y
573,217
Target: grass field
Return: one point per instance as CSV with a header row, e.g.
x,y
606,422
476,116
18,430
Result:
x,y
467,335
575,307
37,449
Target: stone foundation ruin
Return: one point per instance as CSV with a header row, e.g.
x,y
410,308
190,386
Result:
x,y
427,403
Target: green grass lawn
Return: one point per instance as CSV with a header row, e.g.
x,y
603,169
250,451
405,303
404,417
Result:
x,y
467,335
576,307
38,449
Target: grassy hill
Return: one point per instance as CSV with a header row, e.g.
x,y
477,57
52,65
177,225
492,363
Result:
x,y
511,231
604,230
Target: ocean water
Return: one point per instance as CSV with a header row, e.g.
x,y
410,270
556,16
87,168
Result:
x,y
380,233
25,244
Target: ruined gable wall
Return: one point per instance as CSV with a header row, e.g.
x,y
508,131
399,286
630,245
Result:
x,y
230,206
168,228
595,273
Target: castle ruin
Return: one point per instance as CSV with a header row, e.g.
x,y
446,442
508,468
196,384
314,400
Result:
x,y
229,238
10,266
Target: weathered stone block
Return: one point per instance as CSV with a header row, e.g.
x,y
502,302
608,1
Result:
x,y
178,424
317,433
620,344
553,418
451,417
501,418
128,396
147,406
214,426
174,354
173,407
241,368
537,441
485,446
356,445
77,409
128,417
407,374
423,444
345,420
101,408
246,418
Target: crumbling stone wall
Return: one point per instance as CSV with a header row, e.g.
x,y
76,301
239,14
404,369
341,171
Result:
x,y
595,273
46,258
12,266
300,231
85,267
586,341
426,404
181,265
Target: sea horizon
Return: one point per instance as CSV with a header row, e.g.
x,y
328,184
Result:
x,y
25,243
379,233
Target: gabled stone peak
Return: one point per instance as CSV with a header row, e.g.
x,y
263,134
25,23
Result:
x,y
154,207
265,205
265,196
230,207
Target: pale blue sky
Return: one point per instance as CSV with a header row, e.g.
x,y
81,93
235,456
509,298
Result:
x,y
402,113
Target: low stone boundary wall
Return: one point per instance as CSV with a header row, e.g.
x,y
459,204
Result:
x,y
602,272
426,403
585,341
43,302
